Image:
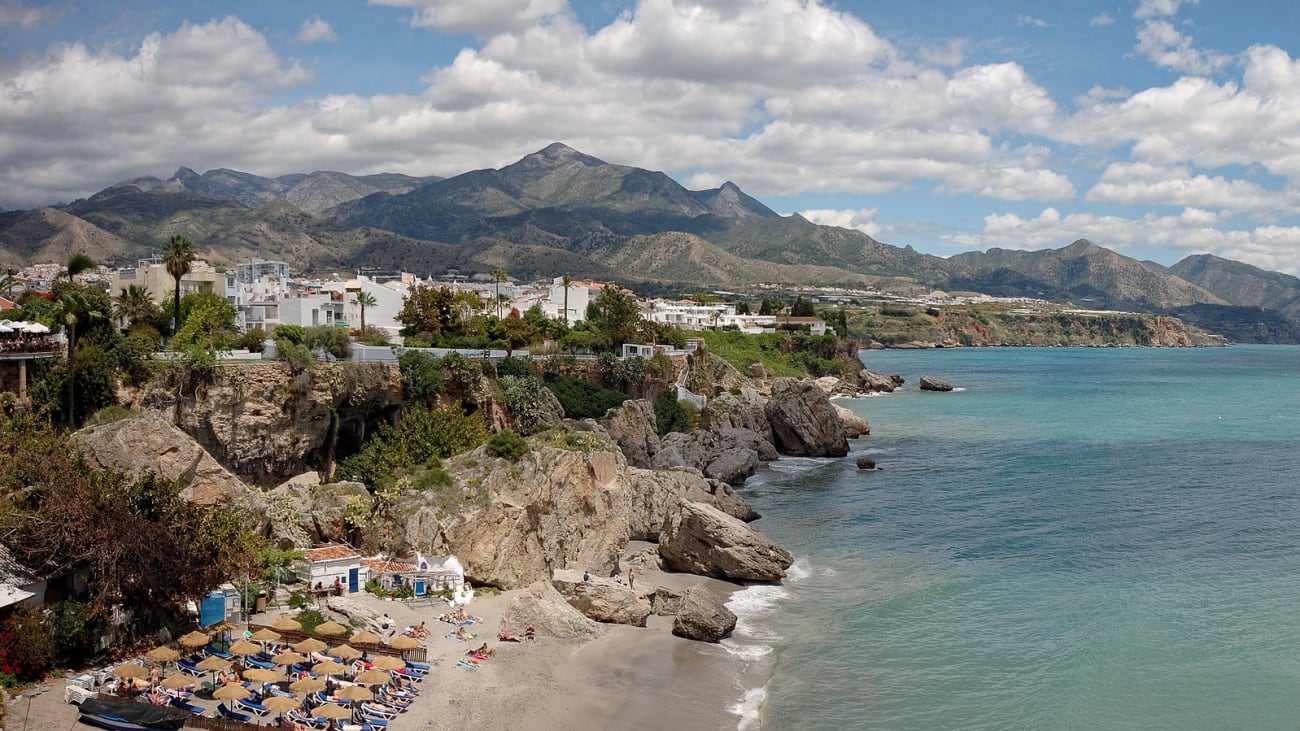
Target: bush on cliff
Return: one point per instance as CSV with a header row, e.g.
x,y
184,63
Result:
x,y
422,376
584,399
670,416
421,433
507,444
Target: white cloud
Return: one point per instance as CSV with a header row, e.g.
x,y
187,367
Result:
x,y
481,17
14,14
949,53
315,30
1101,19
862,219
1159,8
1163,45
1147,184
1023,20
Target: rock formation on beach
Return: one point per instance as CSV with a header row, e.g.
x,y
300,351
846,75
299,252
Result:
x,y
930,383
700,539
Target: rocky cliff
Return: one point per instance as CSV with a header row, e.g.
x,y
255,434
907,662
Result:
x,y
266,424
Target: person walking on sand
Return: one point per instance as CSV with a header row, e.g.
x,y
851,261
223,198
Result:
x,y
631,578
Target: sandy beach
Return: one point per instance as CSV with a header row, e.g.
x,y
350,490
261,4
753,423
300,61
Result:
x,y
628,678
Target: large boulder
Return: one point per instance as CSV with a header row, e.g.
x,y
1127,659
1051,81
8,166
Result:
x,y
700,539
514,523
541,607
804,421
147,442
729,454
872,382
665,602
358,614
709,375
743,409
319,510
854,426
632,427
603,600
701,616
930,383
654,494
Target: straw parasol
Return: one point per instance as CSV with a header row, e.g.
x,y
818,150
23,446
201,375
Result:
x,y
330,628
288,658
222,626
130,670
261,675
285,624
403,642
347,652
331,710
328,667
310,645
213,664
265,635
373,676
194,639
279,703
163,654
244,647
231,692
364,637
388,662
307,685
354,693
177,681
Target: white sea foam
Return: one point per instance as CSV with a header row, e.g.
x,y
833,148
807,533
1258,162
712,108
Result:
x,y
745,650
799,570
750,708
751,605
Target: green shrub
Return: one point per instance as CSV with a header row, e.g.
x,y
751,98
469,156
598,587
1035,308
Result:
x,y
310,619
507,444
420,433
75,630
254,341
296,355
422,376
331,340
584,399
26,644
373,337
292,333
517,367
299,599
669,414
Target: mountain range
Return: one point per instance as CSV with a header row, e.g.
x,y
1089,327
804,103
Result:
x,y
560,211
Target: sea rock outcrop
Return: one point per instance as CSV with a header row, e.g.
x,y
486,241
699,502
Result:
x,y
267,424
665,602
148,442
701,539
603,600
702,616
930,383
541,607
854,425
730,455
654,494
744,409
804,421
871,382
632,427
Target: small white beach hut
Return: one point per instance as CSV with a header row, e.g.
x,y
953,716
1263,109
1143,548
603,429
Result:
x,y
331,562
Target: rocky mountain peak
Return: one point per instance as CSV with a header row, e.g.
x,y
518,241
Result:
x,y
185,175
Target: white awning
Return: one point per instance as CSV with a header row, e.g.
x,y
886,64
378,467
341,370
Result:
x,y
10,595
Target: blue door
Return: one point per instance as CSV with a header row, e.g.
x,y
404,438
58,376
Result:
x,y
353,575
419,588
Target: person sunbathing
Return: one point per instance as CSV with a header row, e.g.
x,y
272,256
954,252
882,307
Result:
x,y
504,636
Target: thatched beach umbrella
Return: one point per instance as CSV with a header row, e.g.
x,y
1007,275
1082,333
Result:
x,y
388,662
307,685
130,670
280,704
328,667
179,681
403,642
373,676
194,639
231,692
310,645
286,624
288,658
163,654
265,635
365,637
330,628
213,664
244,647
222,626
261,675
331,710
347,652
354,693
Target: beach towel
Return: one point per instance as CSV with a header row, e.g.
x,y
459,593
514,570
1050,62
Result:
x,y
458,639
467,665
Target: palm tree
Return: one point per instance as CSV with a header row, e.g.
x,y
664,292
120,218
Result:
x,y
134,304
364,300
177,255
72,303
566,281
499,276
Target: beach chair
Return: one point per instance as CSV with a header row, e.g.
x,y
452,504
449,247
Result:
x,y
373,710
218,650
419,667
190,669
180,703
225,712
245,704
308,721
259,663
374,724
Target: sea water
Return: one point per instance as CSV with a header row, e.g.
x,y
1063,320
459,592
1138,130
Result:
x,y
1073,539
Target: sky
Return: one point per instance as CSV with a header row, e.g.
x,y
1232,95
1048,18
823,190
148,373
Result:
x,y
1158,128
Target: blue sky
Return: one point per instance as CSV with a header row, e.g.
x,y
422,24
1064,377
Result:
x,y
1159,128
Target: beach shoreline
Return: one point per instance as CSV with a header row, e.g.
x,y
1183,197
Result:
x,y
627,678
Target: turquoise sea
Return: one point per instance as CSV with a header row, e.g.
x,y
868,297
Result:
x,y
1074,539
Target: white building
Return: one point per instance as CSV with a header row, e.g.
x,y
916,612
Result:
x,y
689,315
324,565
580,294
381,316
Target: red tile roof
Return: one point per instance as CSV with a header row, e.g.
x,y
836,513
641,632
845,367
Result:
x,y
384,565
331,552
